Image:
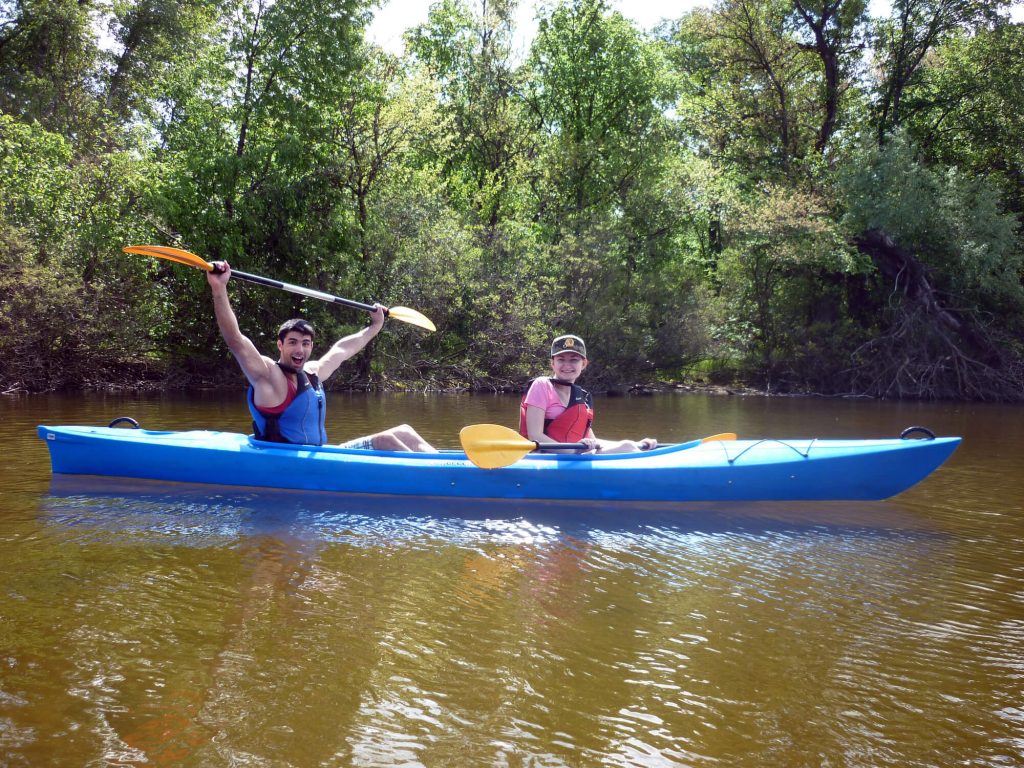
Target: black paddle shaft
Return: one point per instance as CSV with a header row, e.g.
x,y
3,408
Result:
x,y
259,280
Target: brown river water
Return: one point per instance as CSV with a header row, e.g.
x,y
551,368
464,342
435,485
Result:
x,y
177,625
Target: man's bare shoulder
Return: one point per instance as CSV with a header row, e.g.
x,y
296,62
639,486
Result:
x,y
313,366
266,370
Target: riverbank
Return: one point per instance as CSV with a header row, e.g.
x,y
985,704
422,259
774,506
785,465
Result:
x,y
145,387
152,378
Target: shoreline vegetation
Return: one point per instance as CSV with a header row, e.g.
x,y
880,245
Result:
x,y
636,390
775,197
229,380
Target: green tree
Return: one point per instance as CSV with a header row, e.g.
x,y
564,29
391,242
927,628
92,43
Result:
x,y
596,87
967,111
833,30
947,263
89,317
782,245
952,222
383,151
245,147
747,86
48,62
148,39
467,49
904,40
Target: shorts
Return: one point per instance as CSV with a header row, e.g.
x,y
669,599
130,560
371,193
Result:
x,y
359,444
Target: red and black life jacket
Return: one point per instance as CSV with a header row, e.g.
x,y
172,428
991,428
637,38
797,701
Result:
x,y
573,424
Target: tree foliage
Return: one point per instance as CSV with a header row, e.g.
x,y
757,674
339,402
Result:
x,y
904,40
594,93
967,108
948,262
788,192
76,310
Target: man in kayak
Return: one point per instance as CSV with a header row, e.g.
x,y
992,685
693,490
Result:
x,y
556,409
286,397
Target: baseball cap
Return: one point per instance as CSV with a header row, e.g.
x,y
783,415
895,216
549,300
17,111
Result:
x,y
569,343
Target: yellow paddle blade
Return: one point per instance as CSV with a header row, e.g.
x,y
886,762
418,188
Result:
x,y
171,254
721,436
411,316
491,446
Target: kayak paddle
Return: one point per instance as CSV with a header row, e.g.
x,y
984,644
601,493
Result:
x,y
491,446
405,314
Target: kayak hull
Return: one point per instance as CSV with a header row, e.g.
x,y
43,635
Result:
x,y
739,470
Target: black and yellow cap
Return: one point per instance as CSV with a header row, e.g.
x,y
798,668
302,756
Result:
x,y
569,343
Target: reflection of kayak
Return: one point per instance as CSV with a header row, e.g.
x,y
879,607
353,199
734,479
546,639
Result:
x,y
207,515
723,470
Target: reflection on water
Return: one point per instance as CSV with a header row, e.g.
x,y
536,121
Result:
x,y
149,623
203,515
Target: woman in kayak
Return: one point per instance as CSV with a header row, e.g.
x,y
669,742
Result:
x,y
556,409
286,397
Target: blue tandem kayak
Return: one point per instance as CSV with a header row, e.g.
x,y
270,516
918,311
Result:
x,y
735,470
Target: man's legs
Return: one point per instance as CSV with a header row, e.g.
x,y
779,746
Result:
x,y
401,438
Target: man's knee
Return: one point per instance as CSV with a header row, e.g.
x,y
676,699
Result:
x,y
389,440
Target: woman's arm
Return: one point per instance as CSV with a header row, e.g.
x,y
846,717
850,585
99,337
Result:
x,y
535,429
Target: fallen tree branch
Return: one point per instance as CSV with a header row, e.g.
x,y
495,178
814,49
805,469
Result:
x,y
929,349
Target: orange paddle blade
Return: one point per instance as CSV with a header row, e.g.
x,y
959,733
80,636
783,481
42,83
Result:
x,y
171,254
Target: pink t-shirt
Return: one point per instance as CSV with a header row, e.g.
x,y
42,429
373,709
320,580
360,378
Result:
x,y
542,394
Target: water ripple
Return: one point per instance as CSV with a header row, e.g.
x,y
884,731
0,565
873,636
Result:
x,y
232,627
